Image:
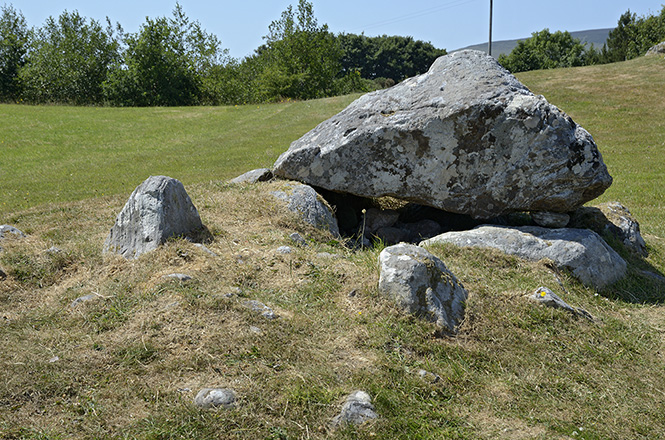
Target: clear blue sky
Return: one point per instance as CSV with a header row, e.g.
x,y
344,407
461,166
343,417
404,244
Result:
x,y
448,24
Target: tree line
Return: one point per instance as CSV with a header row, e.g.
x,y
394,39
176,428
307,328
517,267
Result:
x,y
174,61
632,37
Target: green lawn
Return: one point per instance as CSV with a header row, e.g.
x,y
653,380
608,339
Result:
x,y
53,154
127,363
623,106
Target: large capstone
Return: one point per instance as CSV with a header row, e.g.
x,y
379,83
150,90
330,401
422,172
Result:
x,y
157,210
466,137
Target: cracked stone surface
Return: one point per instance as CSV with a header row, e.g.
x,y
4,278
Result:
x,y
466,137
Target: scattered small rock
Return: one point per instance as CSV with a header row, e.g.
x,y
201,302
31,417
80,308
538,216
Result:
x,y
261,308
429,376
545,296
254,176
80,300
327,255
658,49
234,291
353,293
298,239
550,219
53,250
653,275
53,359
256,330
209,398
178,276
283,250
205,249
357,410
7,229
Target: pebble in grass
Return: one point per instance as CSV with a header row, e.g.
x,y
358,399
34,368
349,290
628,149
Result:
x,y
5,230
357,410
178,276
261,308
209,398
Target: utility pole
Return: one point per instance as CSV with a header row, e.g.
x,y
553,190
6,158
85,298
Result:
x,y
489,46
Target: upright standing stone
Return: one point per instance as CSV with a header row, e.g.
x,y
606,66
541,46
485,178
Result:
x,y
158,209
419,283
466,137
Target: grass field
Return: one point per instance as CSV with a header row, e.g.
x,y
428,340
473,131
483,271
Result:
x,y
56,153
127,364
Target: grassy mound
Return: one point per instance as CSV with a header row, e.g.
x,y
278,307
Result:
x,y
127,362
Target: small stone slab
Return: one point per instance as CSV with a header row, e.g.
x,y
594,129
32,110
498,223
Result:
x,y
357,410
178,276
283,250
550,299
611,218
583,252
82,299
298,239
254,176
209,398
259,307
548,219
5,230
303,200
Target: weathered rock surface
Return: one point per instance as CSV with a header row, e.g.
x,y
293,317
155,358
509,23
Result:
x,y
420,283
182,277
5,230
545,296
83,299
303,200
254,176
158,209
583,252
612,218
209,398
466,137
658,49
259,307
550,219
357,410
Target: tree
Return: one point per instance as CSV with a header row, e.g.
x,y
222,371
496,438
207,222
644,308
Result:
x,y
301,58
168,62
545,50
68,60
390,57
14,37
633,36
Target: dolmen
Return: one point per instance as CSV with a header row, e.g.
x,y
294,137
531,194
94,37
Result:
x,y
467,138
